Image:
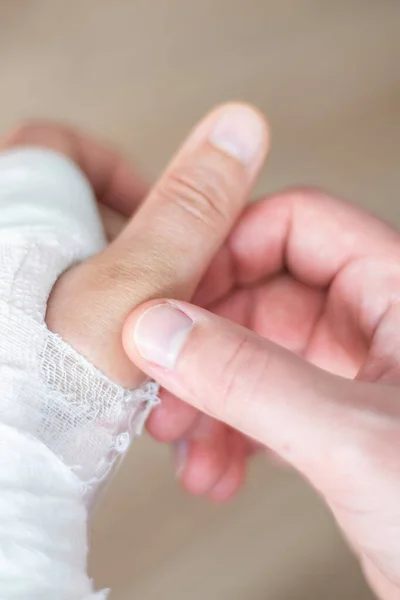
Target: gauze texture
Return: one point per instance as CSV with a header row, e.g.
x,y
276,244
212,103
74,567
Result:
x,y
62,422
43,545
49,221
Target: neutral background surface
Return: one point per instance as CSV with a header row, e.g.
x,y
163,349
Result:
x,y
139,73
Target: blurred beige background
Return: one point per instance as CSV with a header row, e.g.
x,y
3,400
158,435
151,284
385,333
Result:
x,y
139,73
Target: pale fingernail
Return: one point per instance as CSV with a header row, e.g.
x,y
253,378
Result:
x,y
161,333
180,450
240,132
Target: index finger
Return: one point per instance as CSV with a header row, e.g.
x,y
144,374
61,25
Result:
x,y
308,233
115,182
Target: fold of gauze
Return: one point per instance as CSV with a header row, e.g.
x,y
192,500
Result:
x,y
48,222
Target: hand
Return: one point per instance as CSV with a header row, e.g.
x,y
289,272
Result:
x,y
311,367
168,243
119,189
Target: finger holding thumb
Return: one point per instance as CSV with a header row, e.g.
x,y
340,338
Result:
x,y
250,383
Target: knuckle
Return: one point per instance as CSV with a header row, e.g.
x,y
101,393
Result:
x,y
243,374
201,192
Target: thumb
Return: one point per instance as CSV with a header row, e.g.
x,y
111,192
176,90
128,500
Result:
x,y
342,435
268,393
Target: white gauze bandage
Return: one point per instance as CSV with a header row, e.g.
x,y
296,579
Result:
x,y
62,422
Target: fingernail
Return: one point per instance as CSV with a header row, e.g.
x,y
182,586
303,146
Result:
x,y
180,451
240,132
161,333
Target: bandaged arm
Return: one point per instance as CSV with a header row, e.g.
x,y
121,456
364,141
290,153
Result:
x,y
62,422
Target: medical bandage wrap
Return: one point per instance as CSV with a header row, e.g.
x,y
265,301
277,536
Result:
x,y
52,400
